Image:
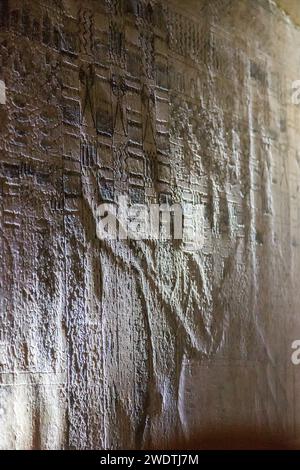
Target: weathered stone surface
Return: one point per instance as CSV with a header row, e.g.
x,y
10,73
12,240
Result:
x,y
121,344
291,8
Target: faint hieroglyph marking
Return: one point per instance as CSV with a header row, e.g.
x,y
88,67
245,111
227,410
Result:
x,y
2,92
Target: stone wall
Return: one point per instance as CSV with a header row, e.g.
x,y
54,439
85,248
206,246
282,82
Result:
x,y
125,343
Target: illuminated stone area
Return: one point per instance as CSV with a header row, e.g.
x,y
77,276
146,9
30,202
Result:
x,y
131,344
291,8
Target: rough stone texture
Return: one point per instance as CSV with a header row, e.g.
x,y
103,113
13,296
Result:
x,y
291,8
121,344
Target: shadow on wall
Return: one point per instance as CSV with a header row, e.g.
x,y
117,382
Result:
x,y
233,438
